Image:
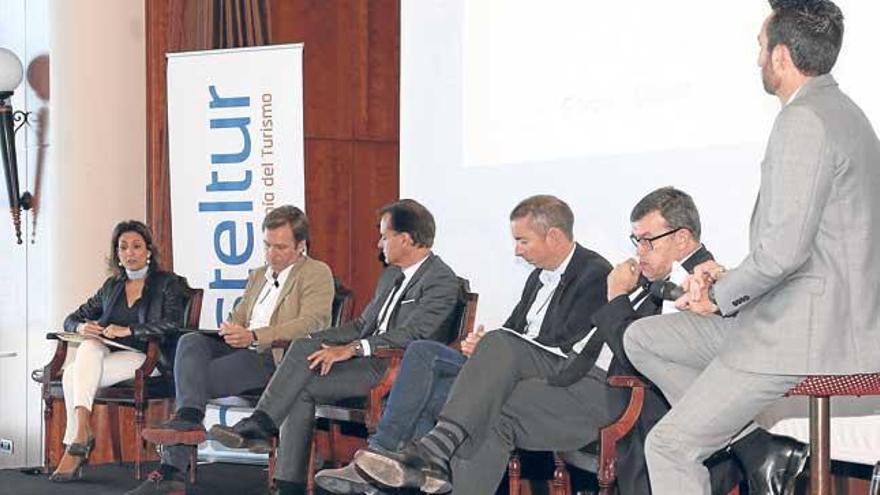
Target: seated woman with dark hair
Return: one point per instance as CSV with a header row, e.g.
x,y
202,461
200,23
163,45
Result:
x,y
136,301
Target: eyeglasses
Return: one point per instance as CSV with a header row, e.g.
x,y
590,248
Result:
x,y
648,242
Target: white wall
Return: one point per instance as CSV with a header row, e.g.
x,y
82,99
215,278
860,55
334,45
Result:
x,y
22,266
598,103
94,176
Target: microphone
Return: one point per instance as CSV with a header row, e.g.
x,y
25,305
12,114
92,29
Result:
x,y
668,291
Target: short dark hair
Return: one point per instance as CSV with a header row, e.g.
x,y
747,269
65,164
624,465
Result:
x,y
811,29
408,216
288,215
546,211
675,206
141,229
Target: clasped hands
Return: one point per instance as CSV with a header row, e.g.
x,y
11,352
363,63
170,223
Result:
x,y
92,329
696,298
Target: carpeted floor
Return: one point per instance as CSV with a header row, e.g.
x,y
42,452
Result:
x,y
116,479
221,478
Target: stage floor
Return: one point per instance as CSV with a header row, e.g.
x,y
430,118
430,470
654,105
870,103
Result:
x,y
115,479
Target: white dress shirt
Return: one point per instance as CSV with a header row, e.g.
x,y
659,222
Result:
x,y
392,300
550,281
263,309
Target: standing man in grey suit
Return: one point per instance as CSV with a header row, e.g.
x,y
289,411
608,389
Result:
x,y
805,300
416,298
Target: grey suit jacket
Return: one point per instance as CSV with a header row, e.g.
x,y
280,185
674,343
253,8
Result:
x,y
427,309
808,293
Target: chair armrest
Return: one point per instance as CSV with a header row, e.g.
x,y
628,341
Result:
x,y
52,370
389,353
145,370
378,392
611,434
623,381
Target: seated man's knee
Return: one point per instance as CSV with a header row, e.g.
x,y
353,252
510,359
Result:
x,y
499,346
633,339
424,349
301,348
664,440
189,341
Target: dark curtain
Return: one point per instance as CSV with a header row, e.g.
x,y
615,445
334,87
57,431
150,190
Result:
x,y
238,23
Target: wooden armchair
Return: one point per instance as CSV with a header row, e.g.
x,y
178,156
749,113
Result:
x,y
340,312
599,457
135,393
368,411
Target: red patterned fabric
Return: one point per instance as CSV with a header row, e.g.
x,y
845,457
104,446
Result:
x,y
830,385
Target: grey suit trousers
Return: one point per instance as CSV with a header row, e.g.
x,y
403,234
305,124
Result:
x,y
205,368
501,398
293,391
711,402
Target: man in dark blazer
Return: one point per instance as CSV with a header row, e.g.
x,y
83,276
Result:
x,y
507,371
416,298
665,230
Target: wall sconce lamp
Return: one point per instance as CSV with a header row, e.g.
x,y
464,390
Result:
x,y
11,72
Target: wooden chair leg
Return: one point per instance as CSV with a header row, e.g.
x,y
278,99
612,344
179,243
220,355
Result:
x,y
561,480
47,420
514,472
140,443
115,441
273,457
820,455
313,459
193,463
334,433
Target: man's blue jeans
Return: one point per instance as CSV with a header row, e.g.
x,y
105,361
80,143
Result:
x,y
427,373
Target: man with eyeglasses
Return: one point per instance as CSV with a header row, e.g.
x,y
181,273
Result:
x,y
666,236
565,409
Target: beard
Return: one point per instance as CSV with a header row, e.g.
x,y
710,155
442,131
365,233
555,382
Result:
x,y
769,79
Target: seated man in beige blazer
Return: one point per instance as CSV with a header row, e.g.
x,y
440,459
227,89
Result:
x,y
288,298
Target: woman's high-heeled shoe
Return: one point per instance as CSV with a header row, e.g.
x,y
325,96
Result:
x,y
81,451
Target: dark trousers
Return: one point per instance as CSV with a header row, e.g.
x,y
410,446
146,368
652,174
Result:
x,y
427,373
502,400
205,368
293,391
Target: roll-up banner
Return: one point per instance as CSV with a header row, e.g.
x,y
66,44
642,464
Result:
x,y
235,139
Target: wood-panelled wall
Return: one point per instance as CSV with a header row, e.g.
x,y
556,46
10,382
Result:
x,y
351,102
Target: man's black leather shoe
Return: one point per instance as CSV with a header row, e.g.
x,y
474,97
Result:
x,y
253,433
773,467
413,467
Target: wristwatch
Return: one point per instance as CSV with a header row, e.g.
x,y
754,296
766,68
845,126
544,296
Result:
x,y
358,348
